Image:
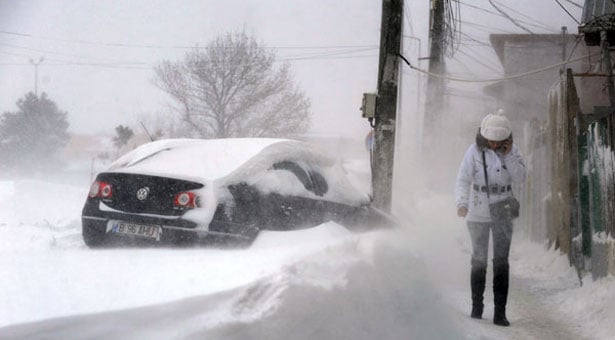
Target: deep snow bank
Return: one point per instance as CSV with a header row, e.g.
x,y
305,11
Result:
x,y
366,286
371,288
45,276
40,215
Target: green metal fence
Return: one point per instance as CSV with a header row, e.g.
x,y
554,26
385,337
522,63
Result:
x,y
601,193
580,213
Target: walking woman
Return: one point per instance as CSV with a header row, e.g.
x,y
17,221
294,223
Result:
x,y
489,169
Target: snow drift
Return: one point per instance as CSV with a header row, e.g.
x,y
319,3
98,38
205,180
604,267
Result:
x,y
330,285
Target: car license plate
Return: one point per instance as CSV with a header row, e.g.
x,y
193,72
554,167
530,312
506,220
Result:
x,y
149,231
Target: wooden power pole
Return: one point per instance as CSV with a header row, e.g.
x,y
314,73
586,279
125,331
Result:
x,y
435,85
386,103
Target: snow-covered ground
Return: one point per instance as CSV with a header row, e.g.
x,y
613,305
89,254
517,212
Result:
x,y
320,283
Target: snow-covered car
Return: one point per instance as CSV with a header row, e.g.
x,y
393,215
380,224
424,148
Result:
x,y
185,190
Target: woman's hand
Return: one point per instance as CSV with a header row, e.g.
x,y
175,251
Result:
x,y
502,147
462,211
506,146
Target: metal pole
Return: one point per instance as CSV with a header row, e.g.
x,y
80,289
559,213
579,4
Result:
x,y
40,60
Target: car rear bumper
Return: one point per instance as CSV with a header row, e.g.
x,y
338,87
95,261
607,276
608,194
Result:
x,y
180,229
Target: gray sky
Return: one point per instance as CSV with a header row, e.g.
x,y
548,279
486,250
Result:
x,y
99,54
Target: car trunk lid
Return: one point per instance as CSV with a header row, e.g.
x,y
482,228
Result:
x,y
146,194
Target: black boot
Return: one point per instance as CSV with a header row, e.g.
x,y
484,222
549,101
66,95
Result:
x,y
477,281
499,317
500,293
477,312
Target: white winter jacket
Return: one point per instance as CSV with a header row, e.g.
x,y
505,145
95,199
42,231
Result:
x,y
504,172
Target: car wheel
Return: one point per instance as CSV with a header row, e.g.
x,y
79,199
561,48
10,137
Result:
x,y
92,237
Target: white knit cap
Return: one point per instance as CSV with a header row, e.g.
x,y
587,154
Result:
x,y
495,126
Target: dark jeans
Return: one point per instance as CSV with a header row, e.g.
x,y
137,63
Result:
x,y
502,235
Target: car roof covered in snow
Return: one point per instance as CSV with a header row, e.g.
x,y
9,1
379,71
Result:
x,y
203,159
235,160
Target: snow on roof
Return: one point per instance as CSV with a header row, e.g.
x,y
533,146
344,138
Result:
x,y
206,159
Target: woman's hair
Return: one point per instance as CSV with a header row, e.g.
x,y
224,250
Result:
x,y
481,141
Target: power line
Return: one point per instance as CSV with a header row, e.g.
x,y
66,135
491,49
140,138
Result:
x,y
145,66
470,38
466,43
485,28
535,23
452,24
479,8
515,11
317,54
464,66
62,54
321,47
567,12
510,18
101,65
515,76
15,54
330,57
480,62
154,46
574,3
86,42
61,62
15,33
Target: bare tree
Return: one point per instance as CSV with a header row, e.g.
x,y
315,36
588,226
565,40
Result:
x,y
232,89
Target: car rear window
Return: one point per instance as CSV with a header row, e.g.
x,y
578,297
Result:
x,y
312,180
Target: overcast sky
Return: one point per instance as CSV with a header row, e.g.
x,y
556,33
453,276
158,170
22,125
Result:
x,y
98,55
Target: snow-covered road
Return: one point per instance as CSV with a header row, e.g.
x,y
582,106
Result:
x,y
545,299
320,283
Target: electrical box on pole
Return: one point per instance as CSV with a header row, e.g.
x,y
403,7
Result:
x,y
368,107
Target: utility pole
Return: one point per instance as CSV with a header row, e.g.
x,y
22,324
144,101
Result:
x,y
40,60
608,67
564,53
386,103
435,85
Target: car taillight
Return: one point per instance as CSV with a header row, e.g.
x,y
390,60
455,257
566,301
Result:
x,y
101,189
185,199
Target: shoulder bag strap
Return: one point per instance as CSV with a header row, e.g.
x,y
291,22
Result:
x,y
486,177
